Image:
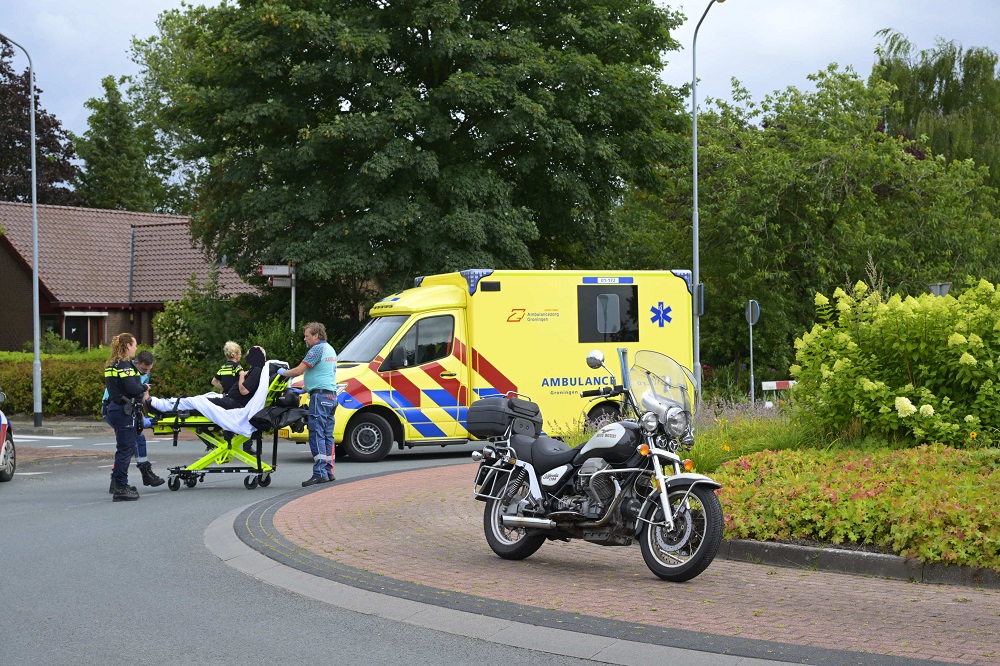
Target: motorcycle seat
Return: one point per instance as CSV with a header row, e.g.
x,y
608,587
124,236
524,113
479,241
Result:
x,y
522,446
548,453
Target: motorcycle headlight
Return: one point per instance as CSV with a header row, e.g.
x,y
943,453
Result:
x,y
676,422
649,422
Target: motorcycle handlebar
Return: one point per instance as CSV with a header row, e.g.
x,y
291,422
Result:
x,y
606,391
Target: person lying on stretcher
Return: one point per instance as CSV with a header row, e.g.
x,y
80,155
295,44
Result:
x,y
231,411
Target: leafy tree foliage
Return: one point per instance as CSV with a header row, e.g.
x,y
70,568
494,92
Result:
x,y
54,151
949,98
797,196
116,175
372,142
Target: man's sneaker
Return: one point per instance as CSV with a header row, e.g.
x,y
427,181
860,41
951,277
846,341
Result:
x,y
313,480
125,493
250,447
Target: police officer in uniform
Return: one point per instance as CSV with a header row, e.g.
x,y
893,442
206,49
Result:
x,y
229,373
122,409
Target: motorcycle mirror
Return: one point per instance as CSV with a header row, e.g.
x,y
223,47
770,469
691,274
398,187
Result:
x,y
595,359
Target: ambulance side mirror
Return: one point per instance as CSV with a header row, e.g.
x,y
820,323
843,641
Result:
x,y
3,397
397,358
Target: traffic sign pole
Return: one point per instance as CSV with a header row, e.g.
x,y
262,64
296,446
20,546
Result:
x,y
752,315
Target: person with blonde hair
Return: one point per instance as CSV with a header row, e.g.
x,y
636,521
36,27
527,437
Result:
x,y
122,409
230,370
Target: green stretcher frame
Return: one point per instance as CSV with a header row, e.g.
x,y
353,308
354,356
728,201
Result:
x,y
227,447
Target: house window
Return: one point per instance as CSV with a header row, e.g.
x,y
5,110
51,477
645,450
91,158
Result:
x,y
86,328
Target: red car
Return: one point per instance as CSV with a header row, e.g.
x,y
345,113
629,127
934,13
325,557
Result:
x,y
8,459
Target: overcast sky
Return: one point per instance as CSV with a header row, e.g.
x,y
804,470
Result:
x,y
766,44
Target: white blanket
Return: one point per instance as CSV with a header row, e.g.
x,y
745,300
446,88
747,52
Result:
x,y
236,420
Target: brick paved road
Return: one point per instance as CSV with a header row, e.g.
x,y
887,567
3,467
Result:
x,y
424,527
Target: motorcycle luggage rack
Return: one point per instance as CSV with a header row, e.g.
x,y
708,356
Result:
x,y
499,483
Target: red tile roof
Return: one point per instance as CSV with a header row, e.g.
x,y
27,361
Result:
x,y
85,254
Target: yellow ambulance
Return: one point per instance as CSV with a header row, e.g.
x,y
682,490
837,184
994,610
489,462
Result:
x,y
409,376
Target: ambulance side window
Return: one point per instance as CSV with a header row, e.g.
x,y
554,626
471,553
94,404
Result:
x,y
608,313
428,340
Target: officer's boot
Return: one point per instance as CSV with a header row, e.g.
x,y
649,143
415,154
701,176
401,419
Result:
x,y
149,477
125,493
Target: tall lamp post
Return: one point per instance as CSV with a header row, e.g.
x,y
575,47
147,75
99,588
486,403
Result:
x,y
697,295
36,366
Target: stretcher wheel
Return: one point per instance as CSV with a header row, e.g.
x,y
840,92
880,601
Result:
x,y
250,482
265,481
191,482
173,482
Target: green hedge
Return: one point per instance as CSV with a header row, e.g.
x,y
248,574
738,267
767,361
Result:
x,y
72,385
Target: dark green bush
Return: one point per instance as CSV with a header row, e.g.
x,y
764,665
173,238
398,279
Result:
x,y
70,386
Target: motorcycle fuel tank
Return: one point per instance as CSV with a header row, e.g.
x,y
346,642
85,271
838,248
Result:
x,y
615,442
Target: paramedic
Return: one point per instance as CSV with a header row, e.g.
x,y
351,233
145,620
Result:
x,y
123,408
229,373
242,390
319,370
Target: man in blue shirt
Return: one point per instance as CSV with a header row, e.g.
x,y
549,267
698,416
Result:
x,y
319,371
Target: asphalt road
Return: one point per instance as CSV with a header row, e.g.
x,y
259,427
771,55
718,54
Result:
x,y
86,580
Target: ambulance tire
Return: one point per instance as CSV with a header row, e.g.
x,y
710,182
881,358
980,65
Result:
x,y
603,414
369,438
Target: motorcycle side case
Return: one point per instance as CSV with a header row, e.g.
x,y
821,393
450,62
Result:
x,y
491,417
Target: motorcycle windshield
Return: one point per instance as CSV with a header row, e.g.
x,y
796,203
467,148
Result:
x,y
657,376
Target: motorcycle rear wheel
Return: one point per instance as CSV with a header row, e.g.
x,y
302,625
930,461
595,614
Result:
x,y
510,543
684,552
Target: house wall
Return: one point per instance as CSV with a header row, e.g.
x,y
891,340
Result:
x,y
137,322
15,304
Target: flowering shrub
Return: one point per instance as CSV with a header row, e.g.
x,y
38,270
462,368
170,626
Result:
x,y
909,369
925,502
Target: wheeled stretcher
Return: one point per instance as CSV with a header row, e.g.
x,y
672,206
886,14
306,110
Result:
x,y
230,432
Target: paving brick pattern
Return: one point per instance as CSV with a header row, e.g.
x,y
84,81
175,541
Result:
x,y
424,527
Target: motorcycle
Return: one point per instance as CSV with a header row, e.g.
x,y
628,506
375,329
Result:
x,y
627,483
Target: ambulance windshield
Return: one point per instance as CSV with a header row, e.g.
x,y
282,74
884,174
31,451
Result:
x,y
370,340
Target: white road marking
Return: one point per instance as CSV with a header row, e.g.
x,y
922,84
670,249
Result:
x,y
59,446
30,473
33,438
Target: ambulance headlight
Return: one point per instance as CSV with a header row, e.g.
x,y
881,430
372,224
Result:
x,y
649,422
676,421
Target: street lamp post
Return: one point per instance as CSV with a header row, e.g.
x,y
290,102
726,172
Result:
x,y
697,293
36,366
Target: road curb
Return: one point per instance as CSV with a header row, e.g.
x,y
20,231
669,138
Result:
x,y
857,562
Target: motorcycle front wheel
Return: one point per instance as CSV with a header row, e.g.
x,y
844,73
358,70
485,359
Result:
x,y
510,543
684,552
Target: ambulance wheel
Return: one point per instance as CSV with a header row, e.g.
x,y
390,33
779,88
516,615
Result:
x,y
191,482
173,482
603,414
250,482
265,481
368,438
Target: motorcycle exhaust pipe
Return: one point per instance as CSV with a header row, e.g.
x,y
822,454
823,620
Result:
x,y
524,521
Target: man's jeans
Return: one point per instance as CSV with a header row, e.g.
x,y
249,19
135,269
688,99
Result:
x,y
321,408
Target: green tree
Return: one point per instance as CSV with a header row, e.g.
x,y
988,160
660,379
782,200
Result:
x,y
115,173
949,98
54,150
801,194
374,142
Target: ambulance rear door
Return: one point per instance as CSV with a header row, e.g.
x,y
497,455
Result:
x,y
428,376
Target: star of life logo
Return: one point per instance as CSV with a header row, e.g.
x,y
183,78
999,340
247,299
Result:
x,y
661,315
